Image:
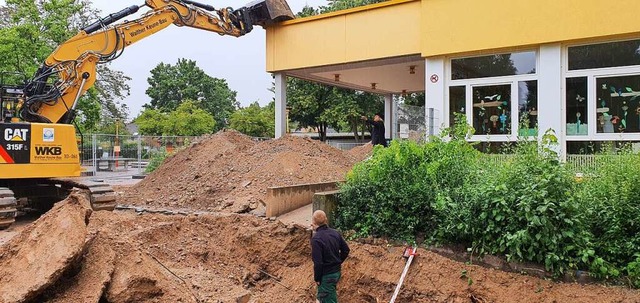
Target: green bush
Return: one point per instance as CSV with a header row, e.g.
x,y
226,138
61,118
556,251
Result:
x,y
407,189
610,198
528,206
157,158
524,209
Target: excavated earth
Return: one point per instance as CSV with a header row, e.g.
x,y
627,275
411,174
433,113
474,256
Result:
x,y
230,172
72,254
67,256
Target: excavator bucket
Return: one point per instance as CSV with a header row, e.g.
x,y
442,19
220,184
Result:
x,y
267,12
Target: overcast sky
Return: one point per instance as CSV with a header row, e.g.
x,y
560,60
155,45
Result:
x,y
241,61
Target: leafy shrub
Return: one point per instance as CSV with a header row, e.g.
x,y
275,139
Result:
x,y
524,209
403,190
610,198
528,206
157,158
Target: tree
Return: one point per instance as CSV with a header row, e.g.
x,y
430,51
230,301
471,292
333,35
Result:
x,y
414,99
322,106
189,119
254,120
308,102
151,122
170,85
31,30
335,5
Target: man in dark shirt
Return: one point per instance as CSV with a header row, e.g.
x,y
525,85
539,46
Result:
x,y
328,250
378,133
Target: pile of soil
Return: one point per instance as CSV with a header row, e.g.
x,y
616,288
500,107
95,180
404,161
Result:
x,y
131,257
230,172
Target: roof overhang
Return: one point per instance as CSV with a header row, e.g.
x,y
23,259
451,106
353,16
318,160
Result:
x,y
374,48
396,75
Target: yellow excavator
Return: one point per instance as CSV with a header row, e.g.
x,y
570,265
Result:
x,y
39,155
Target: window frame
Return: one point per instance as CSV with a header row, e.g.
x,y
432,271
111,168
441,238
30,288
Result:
x,y
592,75
469,84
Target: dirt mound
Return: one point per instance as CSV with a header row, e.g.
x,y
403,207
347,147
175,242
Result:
x,y
41,253
240,258
90,282
231,258
230,172
361,152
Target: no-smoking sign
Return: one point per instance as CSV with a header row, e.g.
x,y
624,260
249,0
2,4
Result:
x,y
434,78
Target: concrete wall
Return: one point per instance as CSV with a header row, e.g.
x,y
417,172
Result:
x,y
381,30
468,26
281,200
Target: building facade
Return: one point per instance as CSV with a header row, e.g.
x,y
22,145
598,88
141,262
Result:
x,y
514,68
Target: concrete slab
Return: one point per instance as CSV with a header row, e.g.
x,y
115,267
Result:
x,y
300,216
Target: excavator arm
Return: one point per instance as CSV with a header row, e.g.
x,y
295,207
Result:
x,y
52,94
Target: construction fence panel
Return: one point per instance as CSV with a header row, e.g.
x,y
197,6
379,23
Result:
x,y
415,122
110,153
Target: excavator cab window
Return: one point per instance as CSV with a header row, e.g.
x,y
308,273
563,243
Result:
x,y
11,95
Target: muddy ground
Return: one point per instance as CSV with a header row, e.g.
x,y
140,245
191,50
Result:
x,y
71,254
230,172
130,257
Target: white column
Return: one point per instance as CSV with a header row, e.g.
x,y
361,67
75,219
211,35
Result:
x,y
435,94
281,104
388,118
550,94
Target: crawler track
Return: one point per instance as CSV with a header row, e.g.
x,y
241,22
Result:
x,y
7,208
102,195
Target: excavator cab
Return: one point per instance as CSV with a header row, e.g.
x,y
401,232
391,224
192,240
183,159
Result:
x,y
11,95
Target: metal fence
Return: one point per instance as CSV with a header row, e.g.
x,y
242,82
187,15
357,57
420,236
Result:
x,y
346,145
414,122
103,152
575,163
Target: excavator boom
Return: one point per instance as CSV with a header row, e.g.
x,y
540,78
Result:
x,y
53,92
38,144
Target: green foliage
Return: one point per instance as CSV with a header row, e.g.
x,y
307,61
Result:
x,y
170,85
189,119
31,30
402,190
335,5
157,158
254,120
322,106
151,122
528,207
609,197
523,208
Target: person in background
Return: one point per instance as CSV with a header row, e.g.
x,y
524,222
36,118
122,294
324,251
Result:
x,y
378,133
328,251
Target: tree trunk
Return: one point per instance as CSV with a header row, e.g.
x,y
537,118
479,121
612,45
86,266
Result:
x,y
322,131
354,129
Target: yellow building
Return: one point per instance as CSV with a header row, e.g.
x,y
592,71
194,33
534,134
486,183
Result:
x,y
572,66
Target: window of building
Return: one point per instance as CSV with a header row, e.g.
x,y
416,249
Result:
x,y
457,102
606,147
618,104
612,54
494,66
603,91
577,106
528,107
492,109
496,93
